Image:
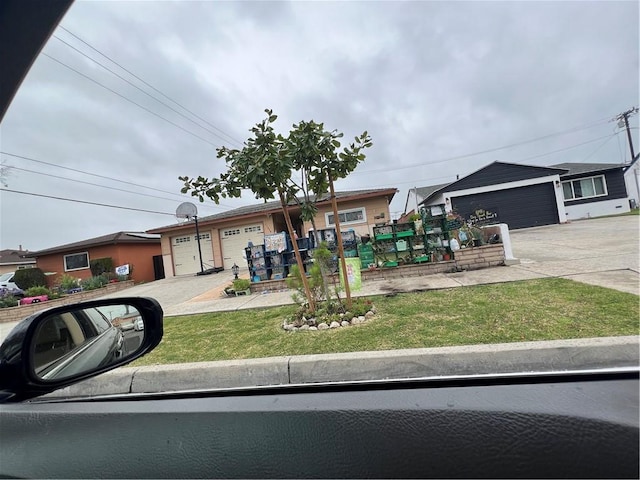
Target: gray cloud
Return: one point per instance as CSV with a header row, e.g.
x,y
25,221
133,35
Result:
x,y
428,80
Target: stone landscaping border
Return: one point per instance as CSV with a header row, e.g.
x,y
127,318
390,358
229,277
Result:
x,y
313,325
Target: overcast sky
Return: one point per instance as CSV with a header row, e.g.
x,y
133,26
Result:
x,y
434,83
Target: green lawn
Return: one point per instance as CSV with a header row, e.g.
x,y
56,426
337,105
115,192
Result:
x,y
543,309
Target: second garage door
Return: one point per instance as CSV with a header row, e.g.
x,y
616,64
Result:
x,y
235,239
521,207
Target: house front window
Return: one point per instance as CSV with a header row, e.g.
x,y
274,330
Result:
x,y
584,188
76,261
347,217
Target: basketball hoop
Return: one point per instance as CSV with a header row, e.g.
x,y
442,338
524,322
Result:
x,y
186,211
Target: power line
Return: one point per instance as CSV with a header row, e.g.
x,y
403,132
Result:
x,y
567,148
219,206
414,181
599,147
495,149
89,183
149,85
130,101
85,202
142,90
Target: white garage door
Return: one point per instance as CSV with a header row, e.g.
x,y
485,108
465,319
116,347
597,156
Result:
x,y
234,240
185,253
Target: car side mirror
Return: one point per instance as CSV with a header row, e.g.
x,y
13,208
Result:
x,y
55,348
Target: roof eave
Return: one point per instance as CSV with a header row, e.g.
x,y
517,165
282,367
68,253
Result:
x,y
70,248
390,193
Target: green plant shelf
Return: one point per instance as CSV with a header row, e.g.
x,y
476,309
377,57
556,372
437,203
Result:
x,y
385,236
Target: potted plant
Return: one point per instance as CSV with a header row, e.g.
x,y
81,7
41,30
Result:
x,y
476,234
242,286
417,223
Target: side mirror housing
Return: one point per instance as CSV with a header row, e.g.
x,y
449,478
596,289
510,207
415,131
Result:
x,y
55,348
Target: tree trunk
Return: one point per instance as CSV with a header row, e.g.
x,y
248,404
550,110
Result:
x,y
305,281
323,270
336,222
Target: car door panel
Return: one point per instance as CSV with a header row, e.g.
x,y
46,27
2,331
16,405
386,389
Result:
x,y
586,428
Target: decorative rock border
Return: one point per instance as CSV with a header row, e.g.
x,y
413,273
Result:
x,y
313,325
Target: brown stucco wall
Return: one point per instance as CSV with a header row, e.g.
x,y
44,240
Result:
x,y
373,207
140,256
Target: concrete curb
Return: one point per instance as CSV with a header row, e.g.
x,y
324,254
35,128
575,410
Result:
x,y
556,355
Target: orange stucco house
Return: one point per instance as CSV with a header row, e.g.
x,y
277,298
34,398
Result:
x,y
140,250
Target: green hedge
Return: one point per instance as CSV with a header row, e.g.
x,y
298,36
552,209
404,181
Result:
x,y
29,277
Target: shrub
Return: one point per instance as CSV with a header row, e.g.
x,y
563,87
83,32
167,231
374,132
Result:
x,y
37,291
241,284
100,266
67,282
29,277
94,283
8,301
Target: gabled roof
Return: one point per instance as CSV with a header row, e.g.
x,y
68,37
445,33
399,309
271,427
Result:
x,y
492,174
15,257
632,163
111,239
584,168
274,206
425,192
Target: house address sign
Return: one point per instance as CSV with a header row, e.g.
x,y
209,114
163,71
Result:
x,y
483,216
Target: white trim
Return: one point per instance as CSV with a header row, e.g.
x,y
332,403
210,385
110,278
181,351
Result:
x,y
446,197
570,182
64,262
632,182
597,209
357,209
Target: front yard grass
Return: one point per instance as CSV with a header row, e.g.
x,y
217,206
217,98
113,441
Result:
x,y
545,309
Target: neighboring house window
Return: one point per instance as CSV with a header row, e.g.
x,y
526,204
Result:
x,y
203,236
76,261
584,188
230,233
256,228
346,217
182,240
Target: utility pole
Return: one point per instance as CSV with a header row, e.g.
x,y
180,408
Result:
x,y
623,120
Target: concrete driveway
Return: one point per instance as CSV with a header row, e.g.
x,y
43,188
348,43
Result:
x,y
177,290
602,251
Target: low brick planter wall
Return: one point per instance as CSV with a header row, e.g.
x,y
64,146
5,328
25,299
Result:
x,y
13,314
479,257
465,259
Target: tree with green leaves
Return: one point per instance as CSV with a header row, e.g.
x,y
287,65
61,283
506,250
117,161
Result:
x,y
314,151
266,163
261,167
